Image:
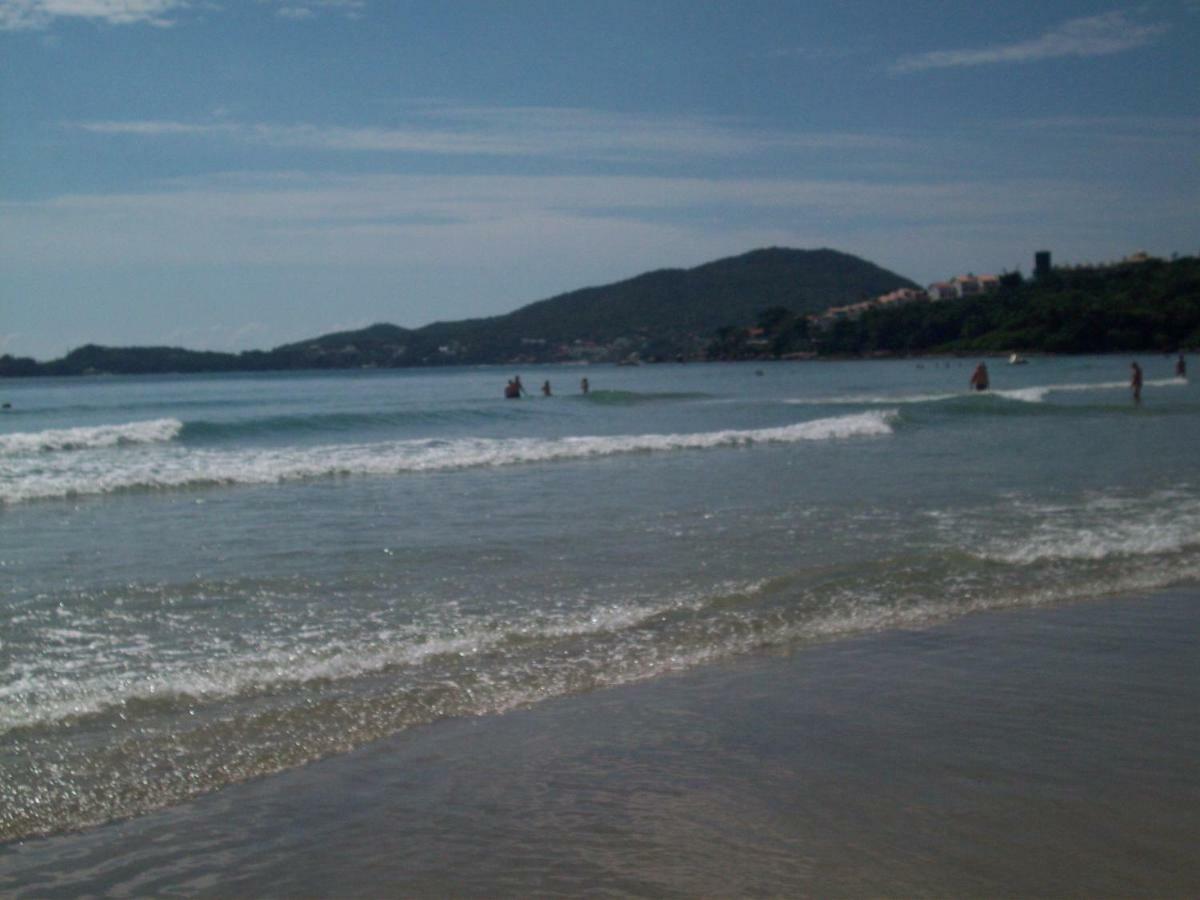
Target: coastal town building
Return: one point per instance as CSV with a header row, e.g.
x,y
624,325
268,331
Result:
x,y
964,286
959,286
902,295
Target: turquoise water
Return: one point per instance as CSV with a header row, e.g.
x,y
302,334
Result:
x,y
212,578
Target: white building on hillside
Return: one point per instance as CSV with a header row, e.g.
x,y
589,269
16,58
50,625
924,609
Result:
x,y
963,286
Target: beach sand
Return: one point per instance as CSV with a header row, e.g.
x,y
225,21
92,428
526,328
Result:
x,y
1041,752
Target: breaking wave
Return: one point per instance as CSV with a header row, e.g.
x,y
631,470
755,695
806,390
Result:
x,y
1152,531
75,475
1033,394
1101,530
90,437
1038,394
873,399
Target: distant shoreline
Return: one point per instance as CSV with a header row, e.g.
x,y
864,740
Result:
x,y
763,306
830,358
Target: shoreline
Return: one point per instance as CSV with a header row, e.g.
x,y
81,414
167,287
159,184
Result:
x,y
1020,751
874,356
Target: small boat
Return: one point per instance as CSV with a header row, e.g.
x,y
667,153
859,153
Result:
x,y
1017,360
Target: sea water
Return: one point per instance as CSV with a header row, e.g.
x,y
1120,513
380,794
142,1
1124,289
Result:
x,y
210,578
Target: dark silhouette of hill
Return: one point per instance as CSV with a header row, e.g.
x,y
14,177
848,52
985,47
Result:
x,y
668,312
700,300
662,314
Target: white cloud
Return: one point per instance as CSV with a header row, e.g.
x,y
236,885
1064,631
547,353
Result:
x,y
295,12
391,220
155,128
392,247
299,10
521,131
18,15
1100,35
28,15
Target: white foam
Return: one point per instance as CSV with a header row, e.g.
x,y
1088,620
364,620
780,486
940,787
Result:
x,y
90,437
1039,393
1103,528
872,399
1097,542
1034,394
35,693
23,478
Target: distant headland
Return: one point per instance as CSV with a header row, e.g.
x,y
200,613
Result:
x,y
766,304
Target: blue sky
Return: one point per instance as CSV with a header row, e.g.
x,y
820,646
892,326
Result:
x,y
229,174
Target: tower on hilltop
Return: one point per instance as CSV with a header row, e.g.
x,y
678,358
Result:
x,y
1041,263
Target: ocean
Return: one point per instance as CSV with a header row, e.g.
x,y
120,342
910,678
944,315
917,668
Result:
x,y
207,579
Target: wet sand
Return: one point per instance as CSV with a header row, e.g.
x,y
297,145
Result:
x,y
1047,752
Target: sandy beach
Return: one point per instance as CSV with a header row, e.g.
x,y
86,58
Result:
x,y
1044,752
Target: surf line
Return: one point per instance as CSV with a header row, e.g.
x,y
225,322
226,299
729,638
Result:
x,y
33,478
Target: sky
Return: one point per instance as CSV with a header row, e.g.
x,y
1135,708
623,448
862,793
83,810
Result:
x,y
236,174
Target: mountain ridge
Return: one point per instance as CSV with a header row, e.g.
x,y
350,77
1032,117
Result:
x,y
664,313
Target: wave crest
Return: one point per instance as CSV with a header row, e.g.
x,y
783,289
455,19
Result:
x,y
177,467
1039,393
1100,530
91,437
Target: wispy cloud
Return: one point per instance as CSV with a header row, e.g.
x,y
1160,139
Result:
x,y
385,219
19,15
580,134
155,128
299,10
33,15
1100,35
395,243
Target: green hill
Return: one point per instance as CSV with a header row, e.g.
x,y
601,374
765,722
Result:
x,y
661,314
658,315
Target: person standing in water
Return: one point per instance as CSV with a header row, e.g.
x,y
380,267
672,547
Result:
x,y
1135,381
583,385
546,388
514,389
979,378
1181,367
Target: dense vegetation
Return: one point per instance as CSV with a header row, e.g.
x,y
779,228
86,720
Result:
x,y
1144,306
659,315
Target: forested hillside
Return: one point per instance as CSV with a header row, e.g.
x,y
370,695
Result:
x,y
665,314
1152,305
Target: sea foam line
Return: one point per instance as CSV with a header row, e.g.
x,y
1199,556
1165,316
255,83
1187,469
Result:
x,y
1150,536
176,467
91,437
1034,394
1038,394
46,694
873,399
1098,529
